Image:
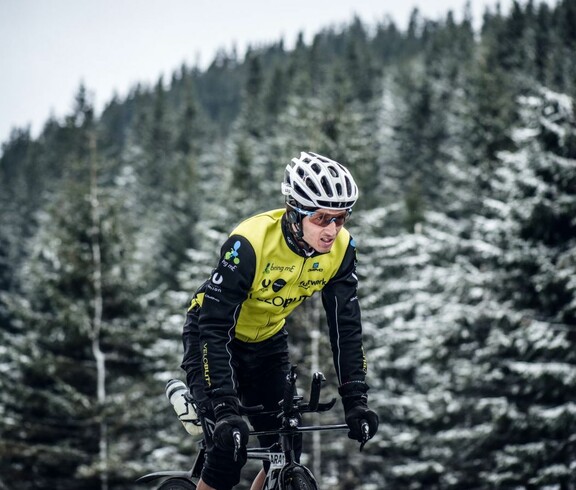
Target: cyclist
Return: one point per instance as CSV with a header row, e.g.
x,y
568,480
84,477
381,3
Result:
x,y
235,343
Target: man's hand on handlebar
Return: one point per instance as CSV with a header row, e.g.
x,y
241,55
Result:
x,y
362,422
231,430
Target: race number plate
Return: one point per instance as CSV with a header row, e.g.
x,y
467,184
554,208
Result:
x,y
277,460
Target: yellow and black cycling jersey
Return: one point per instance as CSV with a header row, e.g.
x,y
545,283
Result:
x,y
261,277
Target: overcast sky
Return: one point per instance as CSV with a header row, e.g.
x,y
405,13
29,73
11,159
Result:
x,y
49,47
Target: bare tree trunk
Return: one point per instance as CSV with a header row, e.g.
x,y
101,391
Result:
x,y
315,347
96,327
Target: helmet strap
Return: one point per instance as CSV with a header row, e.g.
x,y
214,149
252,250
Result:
x,y
298,231
294,227
295,220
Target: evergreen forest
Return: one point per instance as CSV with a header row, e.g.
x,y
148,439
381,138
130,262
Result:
x,y
463,143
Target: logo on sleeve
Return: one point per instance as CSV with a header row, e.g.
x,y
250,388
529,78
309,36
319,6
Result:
x,y
233,255
217,279
214,285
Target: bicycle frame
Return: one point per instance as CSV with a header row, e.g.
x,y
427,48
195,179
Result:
x,y
281,454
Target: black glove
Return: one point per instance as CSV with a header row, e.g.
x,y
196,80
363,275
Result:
x,y
354,418
356,411
228,420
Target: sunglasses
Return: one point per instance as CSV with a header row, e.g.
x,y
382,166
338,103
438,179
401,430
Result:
x,y
319,218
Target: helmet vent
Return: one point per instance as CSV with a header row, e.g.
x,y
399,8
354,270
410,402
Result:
x,y
326,186
312,186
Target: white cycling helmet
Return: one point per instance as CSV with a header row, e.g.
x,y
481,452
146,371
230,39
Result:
x,y
314,181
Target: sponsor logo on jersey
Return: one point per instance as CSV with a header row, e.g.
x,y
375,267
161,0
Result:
x,y
233,255
217,279
281,301
272,267
311,283
205,365
316,267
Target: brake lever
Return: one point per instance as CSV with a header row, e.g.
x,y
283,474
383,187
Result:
x,y
237,443
365,434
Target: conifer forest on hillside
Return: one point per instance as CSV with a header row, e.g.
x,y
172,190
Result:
x,y
463,144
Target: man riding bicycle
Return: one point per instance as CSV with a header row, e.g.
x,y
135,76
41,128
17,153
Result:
x,y
235,343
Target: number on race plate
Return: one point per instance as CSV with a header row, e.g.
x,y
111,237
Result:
x,y
277,460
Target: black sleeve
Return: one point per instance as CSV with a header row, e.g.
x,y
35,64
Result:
x,y
340,300
224,294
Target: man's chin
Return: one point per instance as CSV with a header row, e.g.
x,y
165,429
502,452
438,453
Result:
x,y
324,247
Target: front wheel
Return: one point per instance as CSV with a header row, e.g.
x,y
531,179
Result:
x,y
298,483
297,478
177,484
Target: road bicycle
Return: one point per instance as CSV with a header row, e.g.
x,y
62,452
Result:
x,y
285,472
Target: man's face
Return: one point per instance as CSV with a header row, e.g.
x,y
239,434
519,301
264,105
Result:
x,y
320,230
